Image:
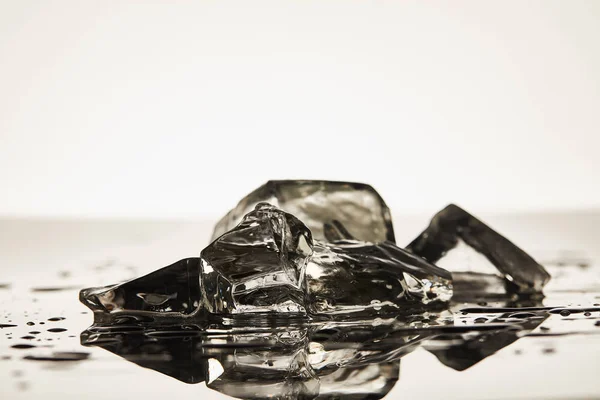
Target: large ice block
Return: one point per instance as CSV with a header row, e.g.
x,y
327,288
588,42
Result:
x,y
357,206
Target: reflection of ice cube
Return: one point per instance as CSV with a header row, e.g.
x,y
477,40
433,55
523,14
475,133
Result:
x,y
454,226
462,351
316,203
328,362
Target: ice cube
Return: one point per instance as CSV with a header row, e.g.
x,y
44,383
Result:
x,y
258,266
353,277
453,226
170,291
357,206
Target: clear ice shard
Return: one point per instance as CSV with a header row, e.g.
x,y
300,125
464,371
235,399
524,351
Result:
x,y
270,263
357,206
453,230
170,291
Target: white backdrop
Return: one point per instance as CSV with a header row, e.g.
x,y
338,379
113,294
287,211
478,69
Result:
x,y
178,108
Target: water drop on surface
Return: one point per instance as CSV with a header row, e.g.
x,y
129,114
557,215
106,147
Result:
x,y
565,313
22,346
56,330
522,315
31,323
60,356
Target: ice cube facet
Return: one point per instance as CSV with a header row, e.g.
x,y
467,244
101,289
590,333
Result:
x,y
357,206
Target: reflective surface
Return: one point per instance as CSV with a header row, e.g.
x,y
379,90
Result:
x,y
486,348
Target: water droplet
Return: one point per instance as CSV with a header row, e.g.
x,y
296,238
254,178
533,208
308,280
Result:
x,y
56,330
522,315
27,337
22,346
480,320
56,319
587,314
565,313
60,356
34,332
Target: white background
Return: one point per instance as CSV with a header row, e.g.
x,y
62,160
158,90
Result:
x,y
179,108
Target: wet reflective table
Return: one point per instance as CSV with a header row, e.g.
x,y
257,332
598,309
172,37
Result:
x,y
49,349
